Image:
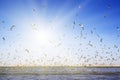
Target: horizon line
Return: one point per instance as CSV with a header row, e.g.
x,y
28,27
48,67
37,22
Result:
x,y
94,66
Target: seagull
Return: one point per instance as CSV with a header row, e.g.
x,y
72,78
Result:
x,y
34,27
34,10
3,38
11,28
91,32
74,24
109,6
101,40
115,46
90,45
82,26
118,28
3,21
27,50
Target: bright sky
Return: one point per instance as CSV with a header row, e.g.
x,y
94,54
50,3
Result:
x,y
65,32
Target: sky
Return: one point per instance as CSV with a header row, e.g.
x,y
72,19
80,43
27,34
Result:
x,y
59,32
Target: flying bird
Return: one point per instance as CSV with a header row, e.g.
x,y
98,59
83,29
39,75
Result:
x,y
3,38
34,10
27,50
101,40
82,26
11,28
3,21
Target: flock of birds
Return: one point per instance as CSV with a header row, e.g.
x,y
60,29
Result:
x,y
97,57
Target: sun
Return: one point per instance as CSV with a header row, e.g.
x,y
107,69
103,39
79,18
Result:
x,y
43,37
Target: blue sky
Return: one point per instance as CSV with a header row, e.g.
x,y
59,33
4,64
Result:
x,y
50,32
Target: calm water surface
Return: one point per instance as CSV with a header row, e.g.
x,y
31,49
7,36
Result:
x,y
59,73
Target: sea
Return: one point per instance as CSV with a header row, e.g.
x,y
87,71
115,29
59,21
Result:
x,y
59,73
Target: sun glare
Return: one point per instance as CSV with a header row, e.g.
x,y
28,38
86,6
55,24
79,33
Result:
x,y
43,37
